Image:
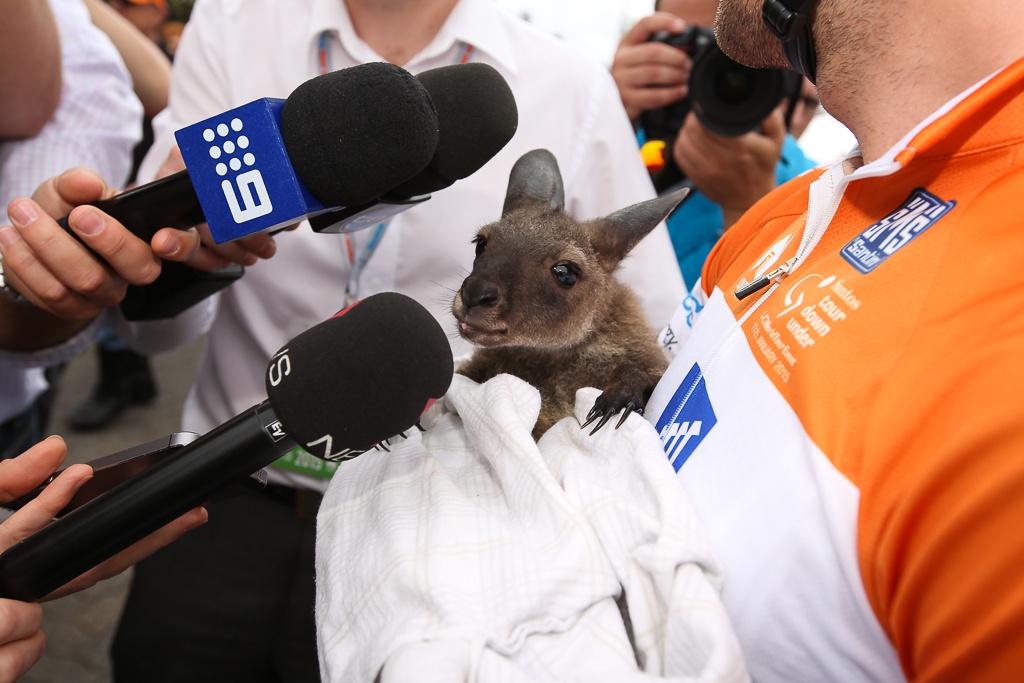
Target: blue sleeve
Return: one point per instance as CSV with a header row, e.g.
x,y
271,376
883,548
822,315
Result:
x,y
793,161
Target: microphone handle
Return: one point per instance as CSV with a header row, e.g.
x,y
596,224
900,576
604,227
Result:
x,y
103,527
168,202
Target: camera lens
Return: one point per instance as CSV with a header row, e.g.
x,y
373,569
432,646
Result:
x,y
729,98
733,86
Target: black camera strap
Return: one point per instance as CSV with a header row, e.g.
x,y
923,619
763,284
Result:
x,y
791,21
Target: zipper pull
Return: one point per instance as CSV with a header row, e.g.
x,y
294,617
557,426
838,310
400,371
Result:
x,y
765,280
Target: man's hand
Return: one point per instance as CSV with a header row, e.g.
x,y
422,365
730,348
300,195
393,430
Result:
x,y
24,473
21,638
56,273
650,75
53,271
733,172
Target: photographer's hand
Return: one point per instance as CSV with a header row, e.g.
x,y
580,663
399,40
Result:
x,y
650,75
733,172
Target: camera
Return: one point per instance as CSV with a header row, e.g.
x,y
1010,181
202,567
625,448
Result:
x,y
728,98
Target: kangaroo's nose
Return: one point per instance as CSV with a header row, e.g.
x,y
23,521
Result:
x,y
479,292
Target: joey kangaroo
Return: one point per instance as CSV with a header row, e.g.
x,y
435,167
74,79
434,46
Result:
x,y
542,302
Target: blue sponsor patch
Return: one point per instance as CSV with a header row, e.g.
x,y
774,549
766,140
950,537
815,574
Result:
x,y
687,418
883,239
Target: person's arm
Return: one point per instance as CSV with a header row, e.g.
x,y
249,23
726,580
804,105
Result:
x,y
30,68
149,67
650,75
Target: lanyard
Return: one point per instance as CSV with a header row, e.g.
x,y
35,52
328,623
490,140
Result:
x,y
358,257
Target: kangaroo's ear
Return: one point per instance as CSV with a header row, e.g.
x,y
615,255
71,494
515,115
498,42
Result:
x,y
614,236
535,181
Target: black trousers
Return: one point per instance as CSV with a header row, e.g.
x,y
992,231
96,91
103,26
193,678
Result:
x,y
230,601
26,429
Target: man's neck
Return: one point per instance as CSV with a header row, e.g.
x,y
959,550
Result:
x,y
398,29
887,71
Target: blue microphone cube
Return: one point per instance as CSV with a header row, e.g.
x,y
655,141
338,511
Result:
x,y
241,172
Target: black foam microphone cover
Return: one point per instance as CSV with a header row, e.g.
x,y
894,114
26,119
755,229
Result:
x,y
339,388
341,131
377,343
478,116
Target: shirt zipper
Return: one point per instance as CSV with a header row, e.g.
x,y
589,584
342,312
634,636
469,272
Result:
x,y
817,222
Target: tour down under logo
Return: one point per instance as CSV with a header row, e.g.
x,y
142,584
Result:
x,y
687,418
883,239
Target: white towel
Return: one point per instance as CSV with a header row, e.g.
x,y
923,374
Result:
x,y
471,553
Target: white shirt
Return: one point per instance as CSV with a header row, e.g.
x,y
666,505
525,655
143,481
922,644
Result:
x,y
236,51
97,123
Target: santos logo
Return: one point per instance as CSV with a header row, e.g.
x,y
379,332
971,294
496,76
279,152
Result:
x,y
687,418
919,212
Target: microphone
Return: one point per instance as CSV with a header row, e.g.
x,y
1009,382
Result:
x,y
477,116
338,388
340,139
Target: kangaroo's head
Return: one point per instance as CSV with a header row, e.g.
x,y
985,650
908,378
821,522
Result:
x,y
540,277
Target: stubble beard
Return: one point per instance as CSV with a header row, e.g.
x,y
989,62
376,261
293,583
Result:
x,y
744,37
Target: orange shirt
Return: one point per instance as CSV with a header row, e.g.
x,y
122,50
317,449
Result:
x,y
856,429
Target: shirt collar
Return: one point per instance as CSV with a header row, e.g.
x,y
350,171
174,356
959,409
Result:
x,y
476,22
942,133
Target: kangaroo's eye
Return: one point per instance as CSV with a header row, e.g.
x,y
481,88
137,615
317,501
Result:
x,y
565,274
481,244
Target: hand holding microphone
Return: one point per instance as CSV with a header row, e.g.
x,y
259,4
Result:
x,y
352,148
375,128
37,464
337,389
340,138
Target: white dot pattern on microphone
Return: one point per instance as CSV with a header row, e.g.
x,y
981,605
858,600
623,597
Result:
x,y
229,147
